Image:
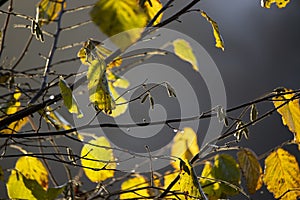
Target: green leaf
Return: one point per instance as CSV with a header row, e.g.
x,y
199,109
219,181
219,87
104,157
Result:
x,y
279,3
99,92
99,159
69,100
217,35
48,10
221,178
185,52
282,174
251,169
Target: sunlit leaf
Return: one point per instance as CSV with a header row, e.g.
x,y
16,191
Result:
x,y
222,177
31,168
184,146
217,35
279,3
134,184
185,52
13,106
93,50
69,100
290,112
49,10
282,174
121,102
99,93
251,169
151,8
117,81
100,160
117,16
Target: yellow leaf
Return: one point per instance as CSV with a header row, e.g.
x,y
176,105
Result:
x,y
151,10
290,113
217,35
100,159
122,16
279,3
251,169
185,52
282,174
185,146
69,100
184,182
31,168
99,92
49,10
134,184
117,81
121,103
14,106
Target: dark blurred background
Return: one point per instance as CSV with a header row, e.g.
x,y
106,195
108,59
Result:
x,y
262,52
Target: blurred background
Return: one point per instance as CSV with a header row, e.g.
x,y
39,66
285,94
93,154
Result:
x,y
262,52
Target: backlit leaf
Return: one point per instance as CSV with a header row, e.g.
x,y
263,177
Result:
x,y
184,146
69,100
99,93
251,169
279,3
133,184
217,35
185,52
152,9
117,81
48,10
121,102
282,174
99,159
117,16
290,112
13,106
31,168
222,177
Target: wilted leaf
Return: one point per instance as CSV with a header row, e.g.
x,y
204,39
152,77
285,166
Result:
x,y
49,10
185,146
69,100
185,52
121,103
100,159
221,178
170,90
133,184
13,106
253,113
290,113
241,131
279,3
282,174
217,35
117,16
251,169
98,87
31,168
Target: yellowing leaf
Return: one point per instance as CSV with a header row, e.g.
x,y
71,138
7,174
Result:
x,y
98,87
279,3
31,168
184,182
185,52
100,159
221,178
251,169
134,184
290,113
117,81
217,35
14,106
282,174
48,10
185,146
69,100
151,10
122,16
121,103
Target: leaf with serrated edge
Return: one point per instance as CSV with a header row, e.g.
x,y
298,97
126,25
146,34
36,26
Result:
x,y
102,157
251,169
282,174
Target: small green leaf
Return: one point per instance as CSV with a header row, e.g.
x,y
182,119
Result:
x,y
69,100
185,52
217,35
